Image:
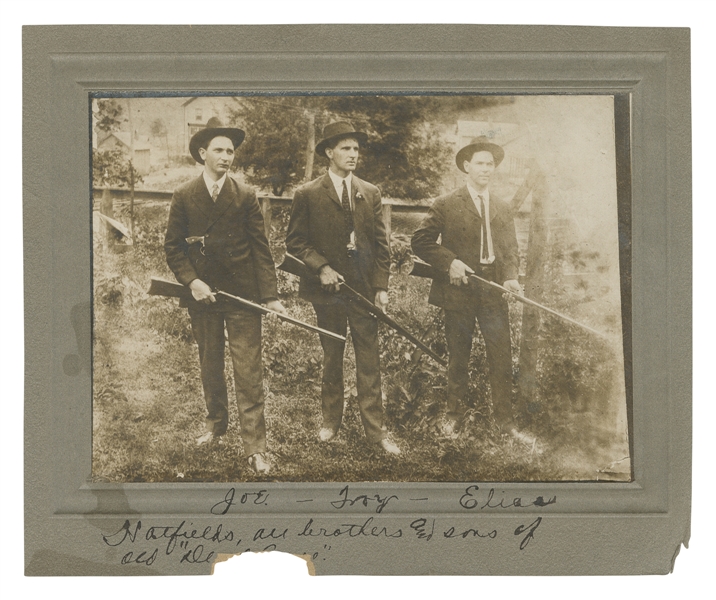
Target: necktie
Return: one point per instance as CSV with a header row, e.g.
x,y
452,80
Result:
x,y
346,203
484,249
215,192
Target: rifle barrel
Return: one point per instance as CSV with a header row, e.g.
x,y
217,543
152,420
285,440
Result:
x,y
423,269
294,265
288,318
538,305
162,287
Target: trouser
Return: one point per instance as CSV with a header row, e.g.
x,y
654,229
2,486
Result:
x,y
364,332
492,315
244,331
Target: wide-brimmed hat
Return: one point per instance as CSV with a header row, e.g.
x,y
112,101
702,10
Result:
x,y
214,128
336,131
479,144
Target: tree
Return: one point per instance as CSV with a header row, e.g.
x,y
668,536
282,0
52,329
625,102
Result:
x,y
273,153
405,157
112,167
159,129
108,115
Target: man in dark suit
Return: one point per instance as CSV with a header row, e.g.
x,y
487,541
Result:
x,y
215,240
337,230
477,233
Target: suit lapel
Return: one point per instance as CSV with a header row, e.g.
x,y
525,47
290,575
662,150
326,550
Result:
x,y
330,189
201,197
469,203
226,198
496,210
358,194
359,204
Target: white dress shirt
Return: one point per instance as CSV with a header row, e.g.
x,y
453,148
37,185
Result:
x,y
486,217
210,183
338,184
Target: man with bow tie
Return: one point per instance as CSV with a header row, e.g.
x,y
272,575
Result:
x,y
215,240
337,230
477,235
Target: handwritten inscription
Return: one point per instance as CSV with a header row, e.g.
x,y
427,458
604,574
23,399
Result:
x,y
529,531
472,499
190,544
350,530
380,502
425,528
259,498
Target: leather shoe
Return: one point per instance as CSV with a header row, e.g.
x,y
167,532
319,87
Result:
x,y
259,464
449,428
390,447
208,437
523,437
326,434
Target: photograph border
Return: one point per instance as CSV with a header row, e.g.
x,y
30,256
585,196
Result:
x,y
615,525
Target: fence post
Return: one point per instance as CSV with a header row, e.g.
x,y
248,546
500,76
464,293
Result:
x,y
387,218
107,209
266,211
529,343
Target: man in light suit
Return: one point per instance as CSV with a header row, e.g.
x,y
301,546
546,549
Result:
x,y
215,240
336,229
477,233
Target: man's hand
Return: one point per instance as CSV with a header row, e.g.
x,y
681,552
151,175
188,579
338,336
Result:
x,y
201,292
330,279
459,272
277,306
512,285
381,300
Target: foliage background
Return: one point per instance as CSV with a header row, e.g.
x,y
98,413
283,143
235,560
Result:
x,y
148,404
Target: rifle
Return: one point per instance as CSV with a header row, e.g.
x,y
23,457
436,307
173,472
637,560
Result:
x,y
296,266
423,269
171,289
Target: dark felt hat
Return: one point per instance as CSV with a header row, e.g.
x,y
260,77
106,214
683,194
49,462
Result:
x,y
214,128
479,144
337,131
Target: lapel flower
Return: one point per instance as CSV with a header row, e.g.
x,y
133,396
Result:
x,y
359,196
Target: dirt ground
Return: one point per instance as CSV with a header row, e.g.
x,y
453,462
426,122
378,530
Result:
x,y
148,405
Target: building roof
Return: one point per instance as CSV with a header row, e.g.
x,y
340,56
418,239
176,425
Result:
x,y
190,100
500,133
140,143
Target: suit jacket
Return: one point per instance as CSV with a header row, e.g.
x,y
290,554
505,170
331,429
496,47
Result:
x,y
236,257
317,234
455,218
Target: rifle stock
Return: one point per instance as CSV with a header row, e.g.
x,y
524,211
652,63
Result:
x,y
296,266
423,269
171,289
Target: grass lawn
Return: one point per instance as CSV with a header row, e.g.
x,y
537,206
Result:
x,y
148,405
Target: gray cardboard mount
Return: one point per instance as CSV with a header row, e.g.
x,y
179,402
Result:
x,y
76,528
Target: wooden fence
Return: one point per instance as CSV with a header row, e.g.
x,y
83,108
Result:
x,y
533,230
267,202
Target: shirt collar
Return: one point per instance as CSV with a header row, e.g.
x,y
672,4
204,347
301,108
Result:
x,y
338,181
474,194
210,182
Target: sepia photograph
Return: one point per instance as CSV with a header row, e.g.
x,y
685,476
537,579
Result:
x,y
382,299
360,287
